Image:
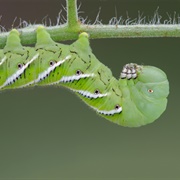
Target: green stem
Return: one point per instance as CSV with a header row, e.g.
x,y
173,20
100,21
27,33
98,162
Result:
x,y
72,28
131,31
63,33
72,16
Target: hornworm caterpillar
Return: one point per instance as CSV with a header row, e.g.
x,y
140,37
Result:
x,y
137,98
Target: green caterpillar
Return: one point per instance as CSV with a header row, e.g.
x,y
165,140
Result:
x,y
137,98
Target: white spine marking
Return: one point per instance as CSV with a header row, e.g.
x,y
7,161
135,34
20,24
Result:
x,y
46,72
75,77
3,60
90,95
50,69
18,72
108,113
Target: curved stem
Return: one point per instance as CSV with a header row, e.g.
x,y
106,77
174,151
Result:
x,y
73,27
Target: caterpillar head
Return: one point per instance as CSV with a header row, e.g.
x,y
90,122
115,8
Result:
x,y
145,90
152,82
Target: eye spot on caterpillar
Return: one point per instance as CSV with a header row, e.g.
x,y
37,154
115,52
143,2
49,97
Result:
x,y
20,66
51,63
117,106
96,91
150,91
78,72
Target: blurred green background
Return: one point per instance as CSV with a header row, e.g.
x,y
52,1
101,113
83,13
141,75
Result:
x,y
50,133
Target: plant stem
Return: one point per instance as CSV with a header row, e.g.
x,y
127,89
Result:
x,y
72,16
131,31
71,29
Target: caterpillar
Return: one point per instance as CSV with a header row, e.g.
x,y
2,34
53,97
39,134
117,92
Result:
x,y
137,98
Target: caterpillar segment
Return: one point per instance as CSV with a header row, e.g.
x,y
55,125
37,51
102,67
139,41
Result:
x,y
137,98
145,96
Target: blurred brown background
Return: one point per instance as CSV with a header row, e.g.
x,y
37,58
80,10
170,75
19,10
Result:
x,y
50,133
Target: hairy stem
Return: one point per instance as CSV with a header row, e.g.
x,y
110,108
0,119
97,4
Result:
x,y
132,31
72,16
71,29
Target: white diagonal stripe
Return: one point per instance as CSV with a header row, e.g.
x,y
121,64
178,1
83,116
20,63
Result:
x,y
89,94
2,60
110,112
48,71
65,79
18,72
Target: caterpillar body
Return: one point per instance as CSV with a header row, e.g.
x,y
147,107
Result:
x,y
137,98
